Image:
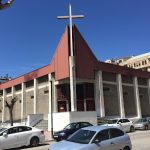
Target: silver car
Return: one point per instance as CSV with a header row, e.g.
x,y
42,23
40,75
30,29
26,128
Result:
x,y
17,136
143,123
125,123
102,137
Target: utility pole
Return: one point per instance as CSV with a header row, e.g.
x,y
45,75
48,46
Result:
x,y
71,59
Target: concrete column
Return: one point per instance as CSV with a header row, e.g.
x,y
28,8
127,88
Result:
x,y
120,95
12,91
50,114
85,104
35,97
13,94
149,91
3,110
55,104
100,108
72,84
50,92
136,93
23,103
52,101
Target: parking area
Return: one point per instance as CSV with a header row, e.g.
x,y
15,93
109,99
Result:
x,y
140,141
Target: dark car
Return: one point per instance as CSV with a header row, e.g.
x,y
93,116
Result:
x,y
70,129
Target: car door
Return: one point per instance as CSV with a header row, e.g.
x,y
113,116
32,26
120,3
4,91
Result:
x,y
9,139
148,121
126,125
102,141
2,140
24,134
116,137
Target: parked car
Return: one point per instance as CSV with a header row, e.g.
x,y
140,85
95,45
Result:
x,y
125,123
70,129
143,123
17,136
102,137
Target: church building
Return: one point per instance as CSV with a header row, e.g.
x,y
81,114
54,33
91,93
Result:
x,y
102,89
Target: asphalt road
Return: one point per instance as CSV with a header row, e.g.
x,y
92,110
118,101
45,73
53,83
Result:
x,y
140,141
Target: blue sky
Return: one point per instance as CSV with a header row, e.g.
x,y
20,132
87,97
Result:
x,y
30,32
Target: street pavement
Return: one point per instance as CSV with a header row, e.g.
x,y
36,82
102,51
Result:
x,y
140,141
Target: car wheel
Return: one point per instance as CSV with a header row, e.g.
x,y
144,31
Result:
x,y
126,148
146,127
34,142
131,129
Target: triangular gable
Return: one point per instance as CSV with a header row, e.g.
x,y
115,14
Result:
x,y
85,60
60,60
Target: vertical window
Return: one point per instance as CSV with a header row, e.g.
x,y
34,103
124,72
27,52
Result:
x,y
102,135
115,133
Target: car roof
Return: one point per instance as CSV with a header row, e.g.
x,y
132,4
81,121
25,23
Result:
x,y
8,127
81,122
101,127
118,118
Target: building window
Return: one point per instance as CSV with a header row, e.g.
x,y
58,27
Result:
x,y
127,79
80,91
29,84
141,96
125,93
18,87
43,79
142,81
106,89
107,76
1,92
8,90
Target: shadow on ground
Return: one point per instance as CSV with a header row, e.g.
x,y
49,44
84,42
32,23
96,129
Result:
x,y
26,147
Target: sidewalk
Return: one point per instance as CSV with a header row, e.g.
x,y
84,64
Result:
x,y
48,136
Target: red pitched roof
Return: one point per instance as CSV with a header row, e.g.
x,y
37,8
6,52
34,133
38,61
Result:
x,y
59,65
85,61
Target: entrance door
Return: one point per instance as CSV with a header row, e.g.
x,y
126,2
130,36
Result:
x,y
62,105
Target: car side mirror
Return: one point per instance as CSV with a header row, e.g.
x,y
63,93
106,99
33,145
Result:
x,y
4,134
119,122
96,141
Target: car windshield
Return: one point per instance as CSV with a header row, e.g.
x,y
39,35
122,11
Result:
x,y
70,126
112,121
82,136
141,120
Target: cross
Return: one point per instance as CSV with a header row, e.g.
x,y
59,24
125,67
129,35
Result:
x,y
71,59
70,17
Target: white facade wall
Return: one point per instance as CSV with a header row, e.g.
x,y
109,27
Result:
x,y
49,105
60,120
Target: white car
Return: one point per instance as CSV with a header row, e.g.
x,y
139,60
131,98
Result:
x,y
17,136
102,137
125,123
